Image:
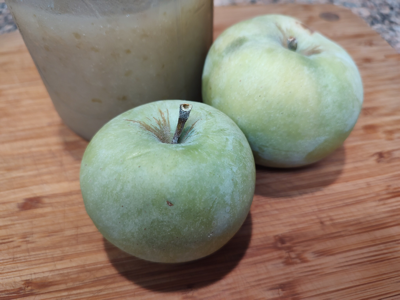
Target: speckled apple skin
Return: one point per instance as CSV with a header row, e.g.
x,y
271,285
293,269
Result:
x,y
168,203
295,107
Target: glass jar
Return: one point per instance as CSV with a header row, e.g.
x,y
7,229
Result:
x,y
99,58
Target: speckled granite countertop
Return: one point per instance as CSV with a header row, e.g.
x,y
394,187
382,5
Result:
x,y
381,15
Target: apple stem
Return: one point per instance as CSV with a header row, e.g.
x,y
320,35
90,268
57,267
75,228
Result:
x,y
292,43
184,112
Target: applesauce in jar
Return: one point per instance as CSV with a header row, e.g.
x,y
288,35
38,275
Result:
x,y
100,58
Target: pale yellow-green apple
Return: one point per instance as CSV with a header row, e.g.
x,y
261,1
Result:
x,y
295,94
165,191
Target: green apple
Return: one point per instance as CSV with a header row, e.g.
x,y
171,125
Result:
x,y
168,202
295,94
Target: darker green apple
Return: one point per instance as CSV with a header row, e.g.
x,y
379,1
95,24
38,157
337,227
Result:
x,y
166,202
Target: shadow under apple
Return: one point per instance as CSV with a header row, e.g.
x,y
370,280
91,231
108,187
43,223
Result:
x,y
184,276
289,183
73,144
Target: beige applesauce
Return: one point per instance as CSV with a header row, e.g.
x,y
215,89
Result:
x,y
98,66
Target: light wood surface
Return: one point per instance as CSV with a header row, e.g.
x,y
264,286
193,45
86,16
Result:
x,y
329,231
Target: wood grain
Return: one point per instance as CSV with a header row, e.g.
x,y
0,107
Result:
x,y
328,231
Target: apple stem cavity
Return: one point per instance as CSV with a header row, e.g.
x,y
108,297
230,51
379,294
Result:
x,y
292,43
184,112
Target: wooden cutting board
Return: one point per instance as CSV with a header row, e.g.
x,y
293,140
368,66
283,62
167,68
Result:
x,y
328,231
